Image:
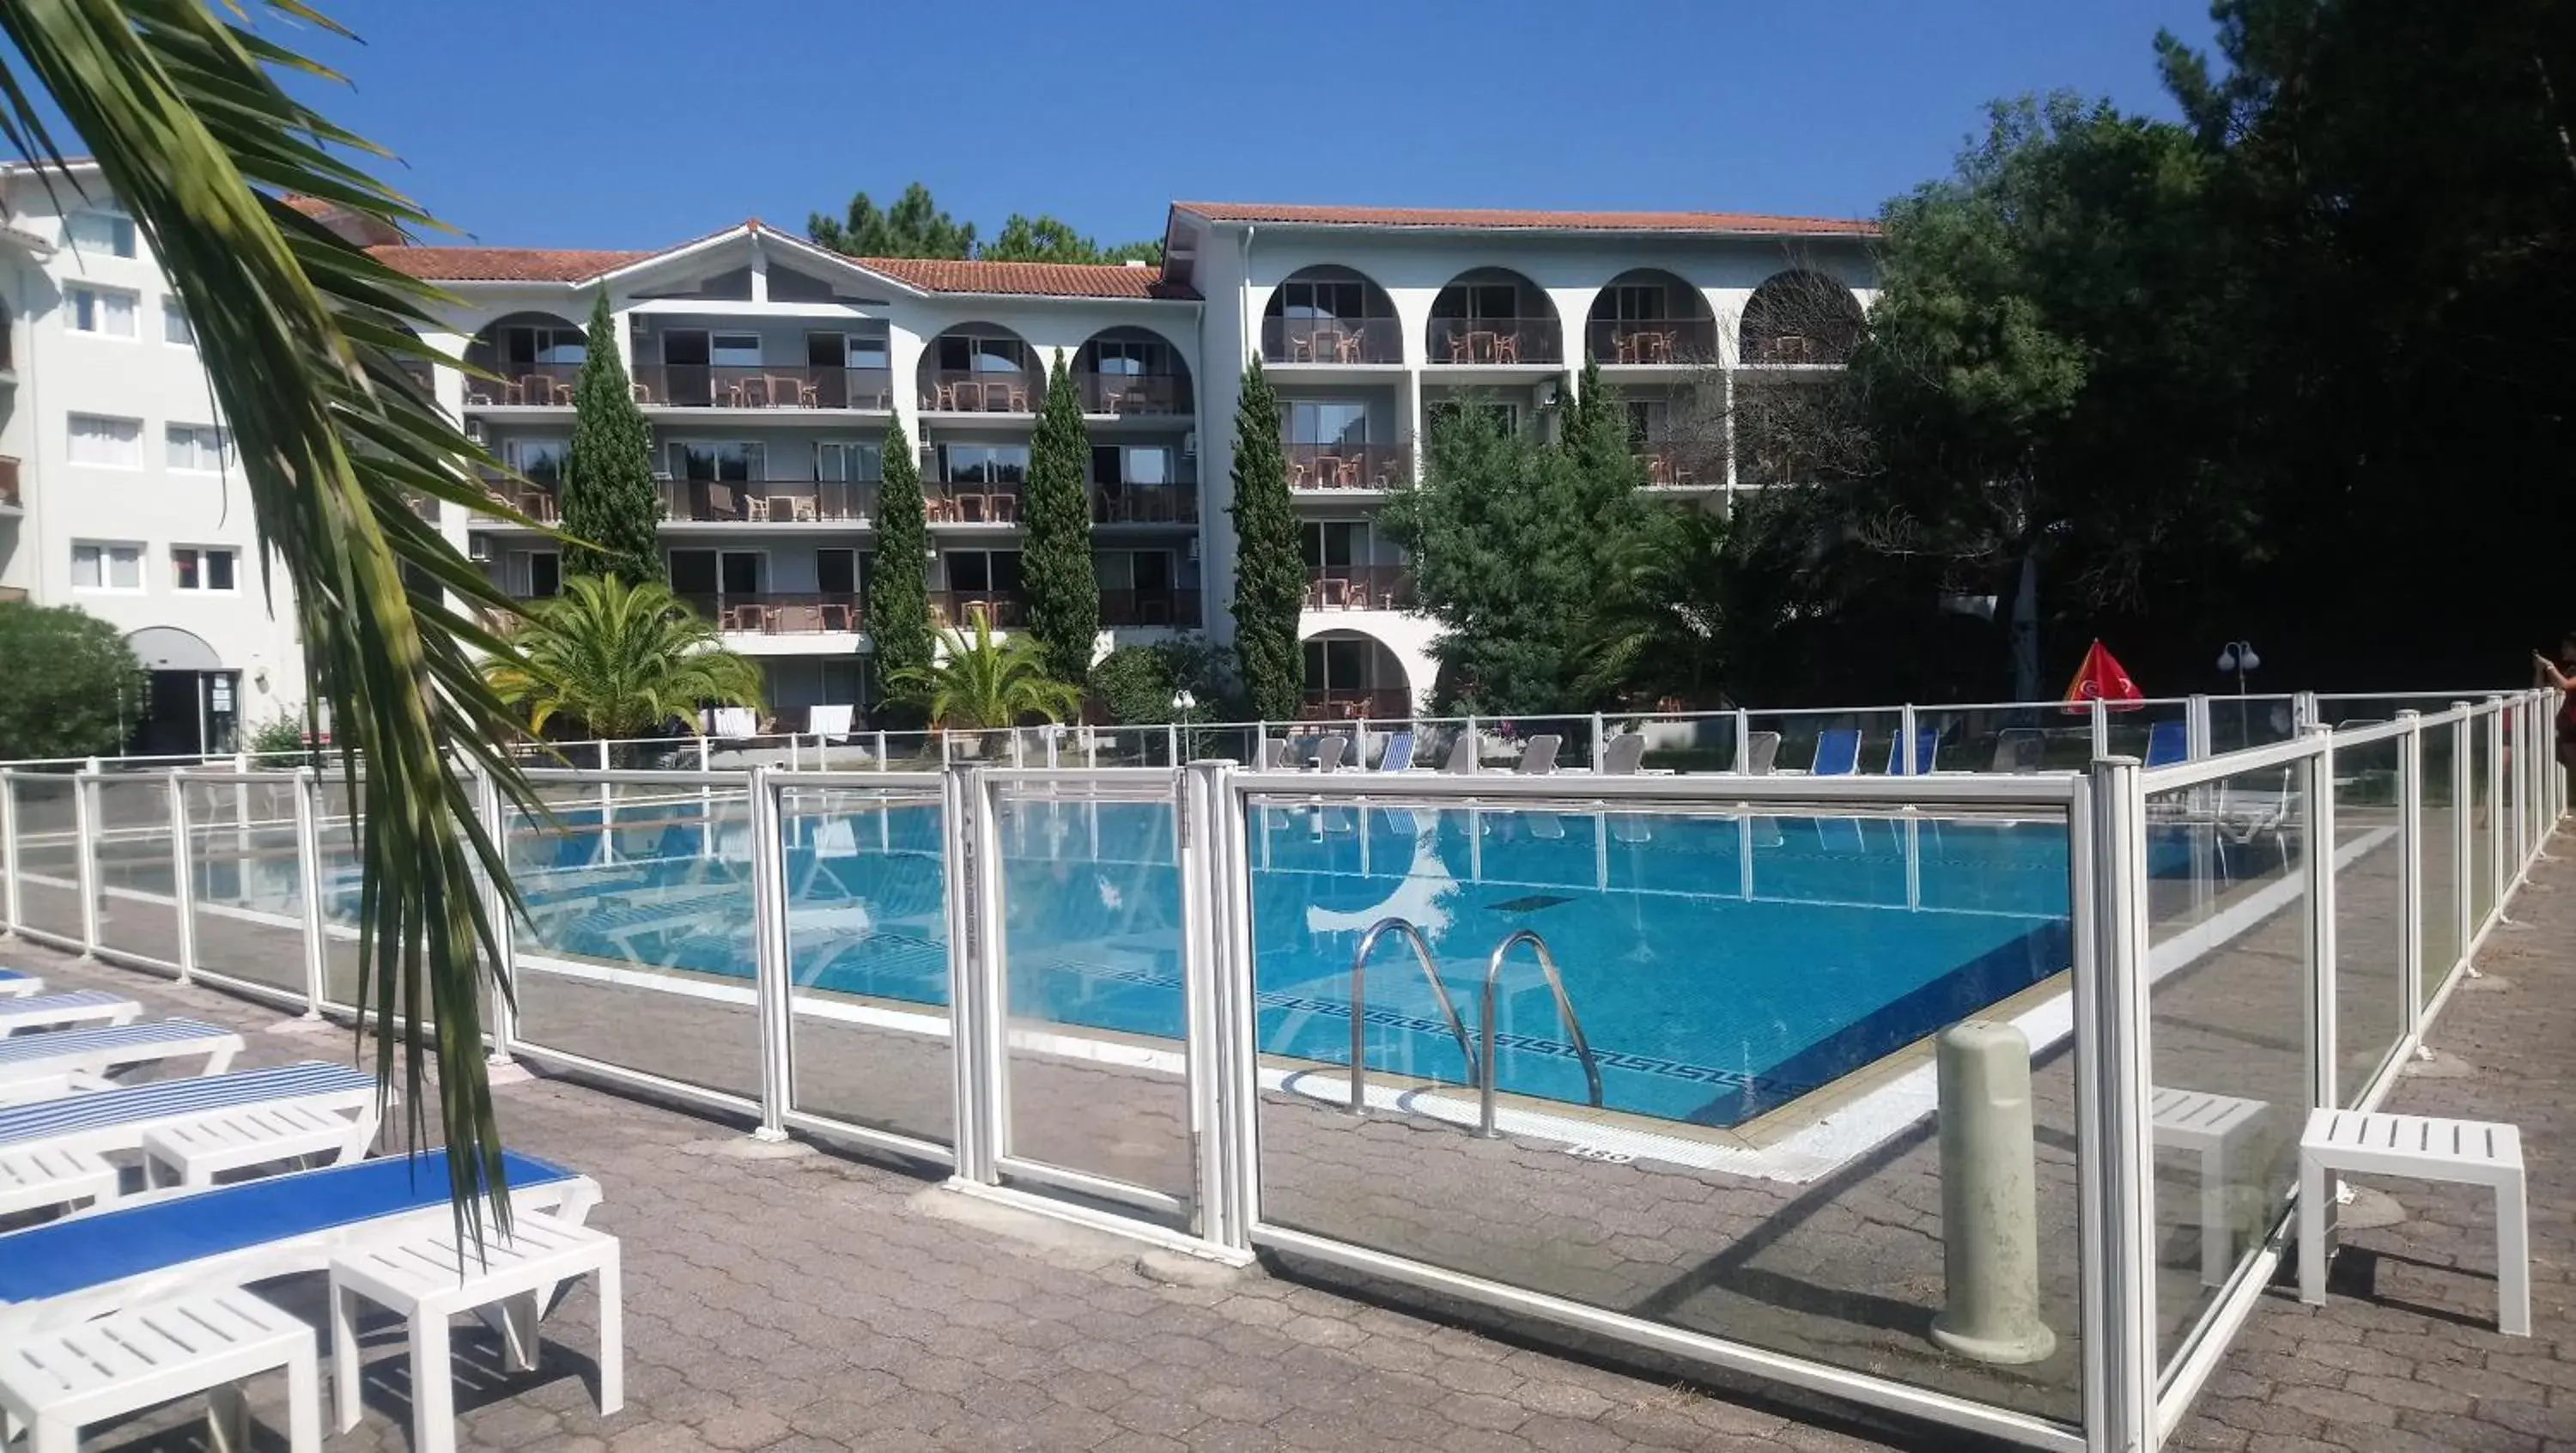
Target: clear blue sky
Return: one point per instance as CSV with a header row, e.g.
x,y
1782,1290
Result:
x,y
635,124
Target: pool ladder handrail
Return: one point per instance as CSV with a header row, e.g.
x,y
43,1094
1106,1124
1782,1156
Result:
x,y
1413,939
1484,1063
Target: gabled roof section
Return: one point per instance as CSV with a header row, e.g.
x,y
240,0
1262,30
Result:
x,y
505,264
1490,219
1030,279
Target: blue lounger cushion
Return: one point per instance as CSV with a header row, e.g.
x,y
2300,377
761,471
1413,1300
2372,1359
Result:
x,y
15,974
164,1099
61,1257
36,1048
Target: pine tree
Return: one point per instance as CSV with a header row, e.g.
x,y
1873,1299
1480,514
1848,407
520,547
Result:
x,y
1270,558
608,496
898,600
1056,568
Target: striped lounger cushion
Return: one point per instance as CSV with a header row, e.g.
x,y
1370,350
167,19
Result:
x,y
163,1101
110,1246
36,1049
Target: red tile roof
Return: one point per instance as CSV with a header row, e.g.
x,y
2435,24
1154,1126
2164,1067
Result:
x,y
1028,279
1509,219
505,264
309,206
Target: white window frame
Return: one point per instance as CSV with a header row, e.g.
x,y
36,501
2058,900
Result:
x,y
92,298
175,313
123,239
71,437
106,551
170,433
205,554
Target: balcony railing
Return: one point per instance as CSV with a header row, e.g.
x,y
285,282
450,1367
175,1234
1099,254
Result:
x,y
1797,348
761,386
522,385
535,501
1381,704
961,608
1129,394
1348,466
1144,504
1359,587
962,391
1654,340
1332,340
972,504
1173,607
1679,466
1496,340
9,495
781,613
777,502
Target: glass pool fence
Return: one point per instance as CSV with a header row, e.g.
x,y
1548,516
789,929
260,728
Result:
x,y
1668,1059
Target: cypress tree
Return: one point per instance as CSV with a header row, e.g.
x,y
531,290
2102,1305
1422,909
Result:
x,y
608,496
898,600
1056,568
1270,558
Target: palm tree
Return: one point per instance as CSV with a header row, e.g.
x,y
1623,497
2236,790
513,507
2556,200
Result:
x,y
982,682
623,660
304,336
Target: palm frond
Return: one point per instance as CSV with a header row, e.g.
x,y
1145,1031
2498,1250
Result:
x,y
302,333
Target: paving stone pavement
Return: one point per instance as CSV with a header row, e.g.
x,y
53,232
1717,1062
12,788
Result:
x,y
816,1300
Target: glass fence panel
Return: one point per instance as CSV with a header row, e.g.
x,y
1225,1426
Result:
x,y
2008,738
2370,904
2483,821
2227,932
48,865
867,949
343,870
1093,1008
2239,722
637,949
2437,856
1832,744
246,880
1756,995
1683,743
138,891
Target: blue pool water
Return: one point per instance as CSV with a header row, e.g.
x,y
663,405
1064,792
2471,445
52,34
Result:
x,y
1702,1003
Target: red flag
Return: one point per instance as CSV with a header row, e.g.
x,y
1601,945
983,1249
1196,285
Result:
x,y
2102,678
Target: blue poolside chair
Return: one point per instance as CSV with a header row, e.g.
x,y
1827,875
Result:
x,y
2168,742
1837,753
118,1119
1398,756
1927,747
72,1270
17,982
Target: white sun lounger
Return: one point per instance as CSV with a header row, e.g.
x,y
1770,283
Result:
x,y
17,982
65,1272
38,1065
118,1119
56,1011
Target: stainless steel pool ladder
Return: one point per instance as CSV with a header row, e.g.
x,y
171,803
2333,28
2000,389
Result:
x,y
1480,1063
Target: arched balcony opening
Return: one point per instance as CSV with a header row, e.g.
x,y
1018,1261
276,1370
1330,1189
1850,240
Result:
x,y
535,355
1650,316
1799,317
1493,315
1131,371
980,368
1330,315
1353,676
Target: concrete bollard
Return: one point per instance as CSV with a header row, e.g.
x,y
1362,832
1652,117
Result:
x,y
1989,1198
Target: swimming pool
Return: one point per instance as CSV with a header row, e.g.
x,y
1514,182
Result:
x,y
1720,965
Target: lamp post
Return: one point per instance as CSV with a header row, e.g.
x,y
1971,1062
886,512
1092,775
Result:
x,y
1183,704
2239,657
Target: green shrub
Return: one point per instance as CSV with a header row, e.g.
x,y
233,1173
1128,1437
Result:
x,y
1135,684
72,685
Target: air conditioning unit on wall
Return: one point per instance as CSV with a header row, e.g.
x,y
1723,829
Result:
x,y
478,548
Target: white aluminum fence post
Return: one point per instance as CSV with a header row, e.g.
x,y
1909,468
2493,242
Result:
x,y
2410,868
183,876
1905,738
85,854
2303,712
1016,750
2518,742
308,865
1172,742
1475,749
2462,909
496,907
769,954
2195,727
1743,739
2321,918
607,795
2498,873
1203,962
976,1039
2115,1154
10,867
1597,744
794,744
1237,1088
2101,728
881,753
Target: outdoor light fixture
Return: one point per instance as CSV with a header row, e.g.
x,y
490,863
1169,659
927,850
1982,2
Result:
x,y
2238,657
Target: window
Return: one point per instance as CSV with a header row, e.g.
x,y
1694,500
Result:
x,y
707,573
96,439
108,232
868,349
729,463
839,463
199,567
1336,665
1128,358
527,345
736,350
1327,422
107,567
983,463
1325,298
540,460
968,353
1137,464
101,310
1334,546
1639,302
175,327
1645,421
545,574
981,572
197,446
836,572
